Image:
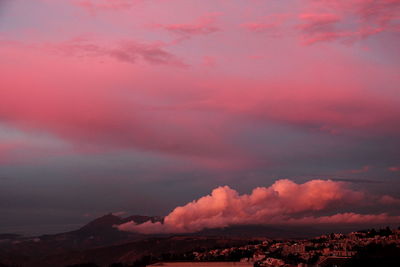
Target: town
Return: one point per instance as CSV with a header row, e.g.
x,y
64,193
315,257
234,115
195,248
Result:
x,y
326,250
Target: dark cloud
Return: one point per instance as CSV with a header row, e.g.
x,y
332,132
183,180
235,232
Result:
x,y
357,181
126,51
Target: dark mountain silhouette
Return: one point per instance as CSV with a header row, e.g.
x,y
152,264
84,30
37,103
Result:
x,y
97,233
106,222
101,231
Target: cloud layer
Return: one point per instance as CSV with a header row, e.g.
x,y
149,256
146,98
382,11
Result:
x,y
284,202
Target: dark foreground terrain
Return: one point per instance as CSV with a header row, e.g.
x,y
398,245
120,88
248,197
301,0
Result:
x,y
100,244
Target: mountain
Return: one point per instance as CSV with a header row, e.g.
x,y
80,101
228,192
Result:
x,y
101,231
105,223
101,243
97,233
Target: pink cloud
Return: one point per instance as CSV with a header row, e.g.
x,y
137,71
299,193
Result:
x,y
383,12
193,112
168,109
320,27
364,169
394,169
358,20
124,51
95,5
258,26
284,202
209,61
332,106
389,200
107,111
203,26
318,22
272,25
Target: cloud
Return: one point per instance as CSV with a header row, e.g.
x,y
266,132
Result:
x,y
87,97
258,26
120,213
389,200
383,13
364,169
394,169
343,105
269,25
348,218
349,21
202,26
83,95
126,51
99,106
94,6
320,27
284,202
366,181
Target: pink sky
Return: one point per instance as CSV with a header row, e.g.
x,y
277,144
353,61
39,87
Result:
x,y
220,92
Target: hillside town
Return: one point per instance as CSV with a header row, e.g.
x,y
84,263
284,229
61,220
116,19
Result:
x,y
360,248
326,250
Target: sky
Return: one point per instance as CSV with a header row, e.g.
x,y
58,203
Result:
x,y
207,111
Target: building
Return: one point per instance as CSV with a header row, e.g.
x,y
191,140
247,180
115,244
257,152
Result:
x,y
202,264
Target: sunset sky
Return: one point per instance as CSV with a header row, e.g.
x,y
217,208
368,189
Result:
x,y
140,106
